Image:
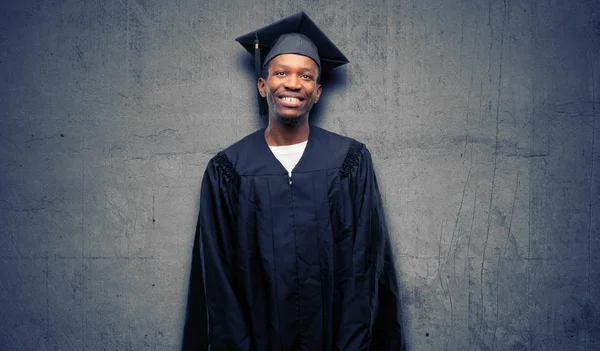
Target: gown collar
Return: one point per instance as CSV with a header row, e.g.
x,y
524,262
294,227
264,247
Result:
x,y
268,162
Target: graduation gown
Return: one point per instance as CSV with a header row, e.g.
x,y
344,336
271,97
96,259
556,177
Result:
x,y
293,263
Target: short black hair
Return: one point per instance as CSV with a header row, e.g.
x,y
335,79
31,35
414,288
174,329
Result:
x,y
265,73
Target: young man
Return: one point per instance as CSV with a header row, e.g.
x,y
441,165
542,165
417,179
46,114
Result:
x,y
294,248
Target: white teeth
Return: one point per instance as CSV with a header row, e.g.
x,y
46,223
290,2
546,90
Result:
x,y
290,99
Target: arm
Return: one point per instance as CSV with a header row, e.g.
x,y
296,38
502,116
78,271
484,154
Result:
x,y
371,320
226,319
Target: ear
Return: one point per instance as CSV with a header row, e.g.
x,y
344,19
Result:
x,y
261,84
318,92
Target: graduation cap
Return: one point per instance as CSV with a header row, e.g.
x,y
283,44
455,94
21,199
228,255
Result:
x,y
296,34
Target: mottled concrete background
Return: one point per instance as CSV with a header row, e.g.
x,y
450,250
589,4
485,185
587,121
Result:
x,y
482,118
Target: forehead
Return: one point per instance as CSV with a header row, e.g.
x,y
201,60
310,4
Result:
x,y
294,61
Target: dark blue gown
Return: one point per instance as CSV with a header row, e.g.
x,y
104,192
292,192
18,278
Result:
x,y
293,263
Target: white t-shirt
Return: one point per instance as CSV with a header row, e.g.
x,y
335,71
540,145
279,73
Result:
x,y
289,155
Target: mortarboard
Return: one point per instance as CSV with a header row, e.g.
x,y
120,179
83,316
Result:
x,y
296,34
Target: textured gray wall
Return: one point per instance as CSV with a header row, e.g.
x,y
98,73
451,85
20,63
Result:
x,y
482,119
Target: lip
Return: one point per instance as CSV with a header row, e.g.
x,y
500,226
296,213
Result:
x,y
290,100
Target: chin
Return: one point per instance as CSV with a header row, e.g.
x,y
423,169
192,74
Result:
x,y
289,117
290,120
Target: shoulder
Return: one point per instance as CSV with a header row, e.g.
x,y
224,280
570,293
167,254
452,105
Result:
x,y
353,153
343,151
357,157
326,150
331,140
225,161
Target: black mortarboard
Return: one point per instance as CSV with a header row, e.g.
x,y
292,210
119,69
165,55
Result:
x,y
296,34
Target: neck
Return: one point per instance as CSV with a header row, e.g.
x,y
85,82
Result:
x,y
279,134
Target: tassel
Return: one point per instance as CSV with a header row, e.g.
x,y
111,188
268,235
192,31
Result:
x,y
256,56
258,71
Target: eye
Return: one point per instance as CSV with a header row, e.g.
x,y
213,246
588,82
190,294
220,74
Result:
x,y
280,73
306,76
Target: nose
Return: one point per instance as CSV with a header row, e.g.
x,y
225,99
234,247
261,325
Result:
x,y
293,82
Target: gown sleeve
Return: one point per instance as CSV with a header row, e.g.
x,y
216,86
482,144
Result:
x,y
371,319
226,317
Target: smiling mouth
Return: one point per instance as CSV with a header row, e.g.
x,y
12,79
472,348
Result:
x,y
290,101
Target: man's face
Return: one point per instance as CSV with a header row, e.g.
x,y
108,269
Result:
x,y
290,87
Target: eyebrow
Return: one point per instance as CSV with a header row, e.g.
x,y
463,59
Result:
x,y
287,67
